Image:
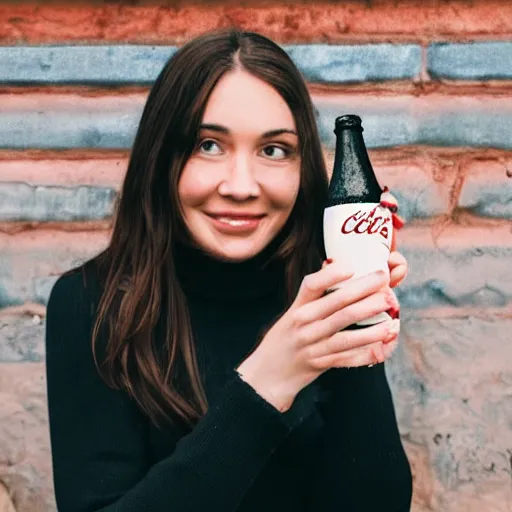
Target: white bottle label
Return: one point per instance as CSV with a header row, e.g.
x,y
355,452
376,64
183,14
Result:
x,y
358,237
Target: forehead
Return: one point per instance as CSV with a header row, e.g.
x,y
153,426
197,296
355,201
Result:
x,y
242,102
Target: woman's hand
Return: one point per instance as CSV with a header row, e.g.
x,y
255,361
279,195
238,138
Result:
x,y
309,338
398,268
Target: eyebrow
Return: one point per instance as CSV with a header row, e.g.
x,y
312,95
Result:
x,y
266,135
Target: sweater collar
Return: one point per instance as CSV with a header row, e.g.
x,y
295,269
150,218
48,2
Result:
x,y
203,274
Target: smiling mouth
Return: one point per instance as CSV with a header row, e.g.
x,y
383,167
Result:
x,y
237,222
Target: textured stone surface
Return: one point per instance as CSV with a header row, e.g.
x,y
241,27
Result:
x,y
470,61
297,21
487,189
25,464
141,64
452,383
31,263
21,339
462,267
73,121
22,202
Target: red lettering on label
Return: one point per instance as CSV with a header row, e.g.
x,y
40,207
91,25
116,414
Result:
x,y
377,223
365,223
362,226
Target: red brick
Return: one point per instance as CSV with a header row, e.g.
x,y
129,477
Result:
x,y
291,22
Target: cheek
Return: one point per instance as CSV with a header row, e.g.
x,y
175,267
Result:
x,y
282,189
194,186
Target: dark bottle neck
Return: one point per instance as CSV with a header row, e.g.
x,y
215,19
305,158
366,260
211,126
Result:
x,y
353,179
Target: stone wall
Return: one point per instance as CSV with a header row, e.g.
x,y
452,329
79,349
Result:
x,y
432,81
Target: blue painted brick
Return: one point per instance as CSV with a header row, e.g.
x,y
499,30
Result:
x,y
140,64
356,63
117,64
471,61
405,120
388,122
475,276
487,198
23,202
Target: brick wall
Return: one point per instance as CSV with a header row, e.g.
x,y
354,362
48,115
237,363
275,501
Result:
x,y
432,81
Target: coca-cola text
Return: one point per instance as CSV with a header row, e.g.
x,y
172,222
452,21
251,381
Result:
x,y
363,222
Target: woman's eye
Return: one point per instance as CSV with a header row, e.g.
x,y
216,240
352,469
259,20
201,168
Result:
x,y
276,152
209,147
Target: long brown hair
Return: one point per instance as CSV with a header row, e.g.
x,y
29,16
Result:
x,y
140,287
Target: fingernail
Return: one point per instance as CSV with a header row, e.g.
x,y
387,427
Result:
x,y
394,313
328,261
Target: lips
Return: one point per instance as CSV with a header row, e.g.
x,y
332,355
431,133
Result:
x,y
235,223
236,216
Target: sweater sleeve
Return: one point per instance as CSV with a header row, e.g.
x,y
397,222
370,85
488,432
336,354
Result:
x,y
362,463
98,435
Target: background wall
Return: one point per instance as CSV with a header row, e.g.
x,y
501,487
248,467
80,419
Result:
x,y
432,82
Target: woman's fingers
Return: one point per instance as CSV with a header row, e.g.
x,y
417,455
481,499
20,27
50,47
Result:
x,y
346,340
398,268
314,285
349,292
367,355
351,313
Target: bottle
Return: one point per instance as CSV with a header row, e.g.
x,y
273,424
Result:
x,y
358,230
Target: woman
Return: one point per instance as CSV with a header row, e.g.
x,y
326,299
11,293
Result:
x,y
196,364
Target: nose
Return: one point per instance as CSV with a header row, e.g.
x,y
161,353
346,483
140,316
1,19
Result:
x,y
240,183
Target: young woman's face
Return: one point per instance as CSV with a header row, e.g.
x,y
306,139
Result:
x,y
239,186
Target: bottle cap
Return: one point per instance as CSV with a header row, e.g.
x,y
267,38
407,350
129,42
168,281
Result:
x,y
347,121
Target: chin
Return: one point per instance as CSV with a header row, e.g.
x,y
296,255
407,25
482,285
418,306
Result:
x,y
236,252
234,248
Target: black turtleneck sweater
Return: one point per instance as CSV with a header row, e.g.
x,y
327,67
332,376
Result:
x,y
336,449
